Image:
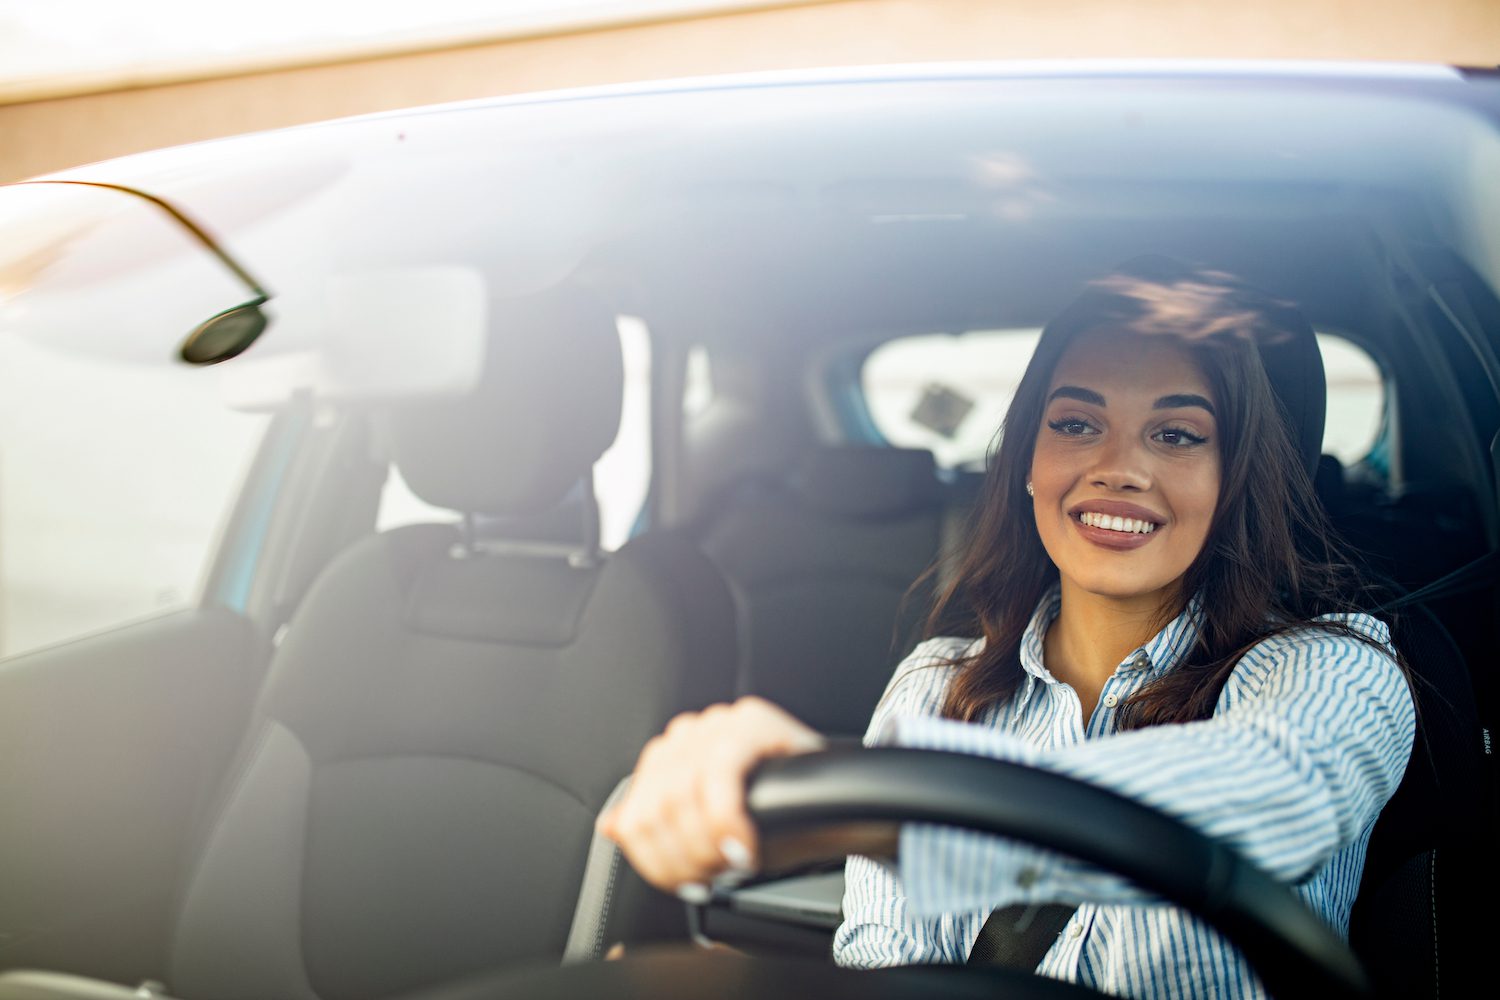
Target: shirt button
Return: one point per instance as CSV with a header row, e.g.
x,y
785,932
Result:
x,y
1027,877
1141,660
1076,930
1111,700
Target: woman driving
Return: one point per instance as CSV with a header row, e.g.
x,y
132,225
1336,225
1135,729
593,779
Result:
x,y
1160,612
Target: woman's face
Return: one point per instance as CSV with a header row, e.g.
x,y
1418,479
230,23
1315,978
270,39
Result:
x,y
1126,468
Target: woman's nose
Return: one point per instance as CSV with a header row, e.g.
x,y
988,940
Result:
x,y
1121,465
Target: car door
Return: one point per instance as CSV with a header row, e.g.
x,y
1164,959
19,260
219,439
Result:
x,y
132,514
136,504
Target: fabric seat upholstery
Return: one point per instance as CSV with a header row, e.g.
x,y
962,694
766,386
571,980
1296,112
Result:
x,y
819,564
445,717
1430,863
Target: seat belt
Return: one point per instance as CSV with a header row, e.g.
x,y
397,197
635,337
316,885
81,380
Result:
x,y
1020,935
1460,314
1476,575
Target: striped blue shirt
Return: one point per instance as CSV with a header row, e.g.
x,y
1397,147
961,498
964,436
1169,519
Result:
x,y
1308,741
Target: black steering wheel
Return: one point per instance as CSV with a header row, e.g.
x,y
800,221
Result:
x,y
1290,948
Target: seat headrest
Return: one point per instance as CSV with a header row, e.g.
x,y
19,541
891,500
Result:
x,y
546,406
1295,368
862,481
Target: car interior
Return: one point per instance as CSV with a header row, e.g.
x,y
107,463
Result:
x,y
1398,536
402,739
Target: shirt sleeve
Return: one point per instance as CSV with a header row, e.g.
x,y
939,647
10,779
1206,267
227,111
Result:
x,y
1309,741
879,928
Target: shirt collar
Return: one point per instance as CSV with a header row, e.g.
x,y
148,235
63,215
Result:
x,y
1036,630
1171,645
1161,653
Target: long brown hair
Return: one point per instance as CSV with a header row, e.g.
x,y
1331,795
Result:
x,y
1270,562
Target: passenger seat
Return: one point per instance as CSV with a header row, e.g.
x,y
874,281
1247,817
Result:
x,y
448,713
819,563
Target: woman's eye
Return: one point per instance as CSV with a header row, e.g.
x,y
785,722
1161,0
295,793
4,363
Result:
x,y
1071,427
1178,437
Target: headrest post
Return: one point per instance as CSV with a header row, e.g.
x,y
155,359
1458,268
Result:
x,y
588,554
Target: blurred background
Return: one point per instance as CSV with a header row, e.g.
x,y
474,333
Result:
x,y
83,80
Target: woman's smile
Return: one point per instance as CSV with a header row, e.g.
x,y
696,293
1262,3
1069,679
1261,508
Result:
x,y
1113,524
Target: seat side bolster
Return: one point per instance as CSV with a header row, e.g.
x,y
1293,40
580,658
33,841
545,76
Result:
x,y
238,935
600,874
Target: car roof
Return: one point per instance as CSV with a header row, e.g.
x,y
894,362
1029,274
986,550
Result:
x,y
1307,72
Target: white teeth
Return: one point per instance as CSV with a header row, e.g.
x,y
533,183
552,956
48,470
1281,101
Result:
x,y
1128,525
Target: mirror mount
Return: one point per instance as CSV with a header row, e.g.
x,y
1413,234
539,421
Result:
x,y
226,334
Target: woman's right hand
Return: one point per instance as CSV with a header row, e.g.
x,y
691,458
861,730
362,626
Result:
x,y
683,819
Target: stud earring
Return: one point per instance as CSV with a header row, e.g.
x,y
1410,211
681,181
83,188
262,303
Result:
x,y
1030,490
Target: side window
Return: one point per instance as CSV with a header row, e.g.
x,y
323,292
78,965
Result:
x,y
948,393
1356,399
115,477
621,476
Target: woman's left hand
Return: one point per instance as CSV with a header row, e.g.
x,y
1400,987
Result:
x,y
683,820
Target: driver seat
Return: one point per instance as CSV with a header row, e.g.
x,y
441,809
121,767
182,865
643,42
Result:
x,y
1416,922
1410,924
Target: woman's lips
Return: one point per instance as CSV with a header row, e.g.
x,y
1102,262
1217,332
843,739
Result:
x,y
1110,539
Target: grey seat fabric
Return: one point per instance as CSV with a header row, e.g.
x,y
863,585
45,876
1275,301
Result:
x,y
445,718
819,564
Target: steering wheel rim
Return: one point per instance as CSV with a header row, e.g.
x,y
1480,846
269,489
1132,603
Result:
x,y
1292,950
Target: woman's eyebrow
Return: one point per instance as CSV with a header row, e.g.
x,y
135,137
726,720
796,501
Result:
x,y
1076,392
1176,400
1172,402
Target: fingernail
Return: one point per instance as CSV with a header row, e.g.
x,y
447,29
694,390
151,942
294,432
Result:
x,y
736,853
693,893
